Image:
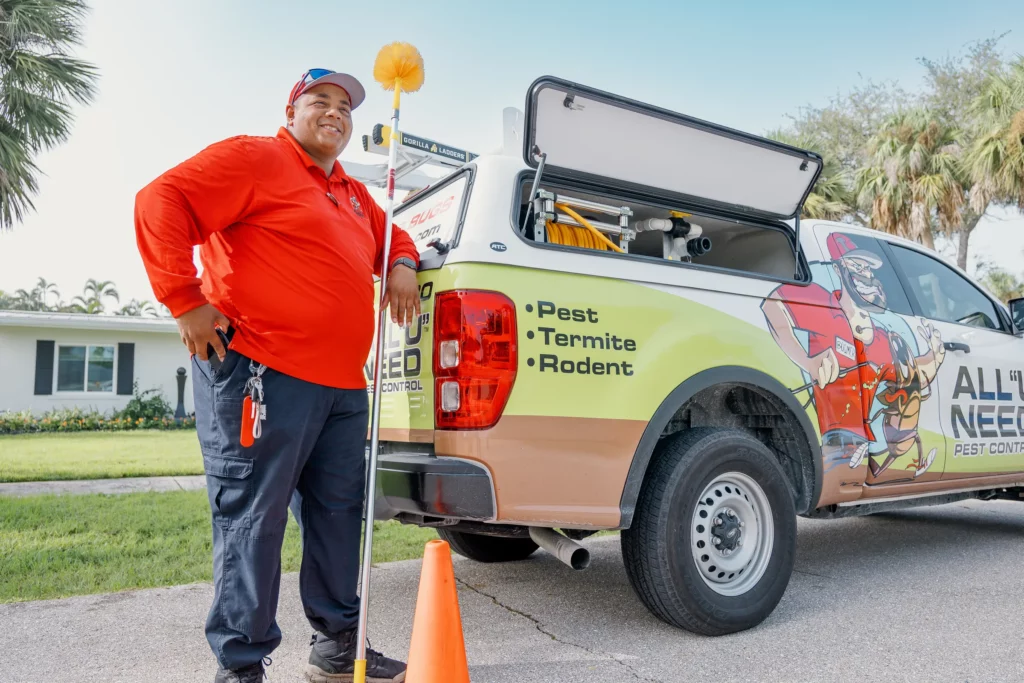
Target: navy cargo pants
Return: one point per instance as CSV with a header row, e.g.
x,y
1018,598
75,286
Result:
x,y
310,457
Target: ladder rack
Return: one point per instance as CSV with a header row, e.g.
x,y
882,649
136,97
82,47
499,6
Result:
x,y
413,155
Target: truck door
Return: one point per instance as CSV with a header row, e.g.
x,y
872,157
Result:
x,y
895,357
981,389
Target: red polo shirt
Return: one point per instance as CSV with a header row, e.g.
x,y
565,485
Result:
x,y
845,403
291,267
816,311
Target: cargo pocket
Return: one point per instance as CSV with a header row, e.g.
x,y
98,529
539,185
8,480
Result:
x,y
223,425
229,487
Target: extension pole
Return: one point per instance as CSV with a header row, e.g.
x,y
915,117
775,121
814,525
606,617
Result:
x,y
371,476
405,68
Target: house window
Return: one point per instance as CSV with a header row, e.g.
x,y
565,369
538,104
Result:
x,y
85,368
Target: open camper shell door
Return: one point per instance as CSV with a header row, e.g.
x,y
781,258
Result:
x,y
599,138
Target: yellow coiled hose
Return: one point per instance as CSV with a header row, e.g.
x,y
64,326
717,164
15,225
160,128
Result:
x,y
587,237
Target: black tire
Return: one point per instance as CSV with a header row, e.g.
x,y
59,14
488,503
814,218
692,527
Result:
x,y
657,551
488,548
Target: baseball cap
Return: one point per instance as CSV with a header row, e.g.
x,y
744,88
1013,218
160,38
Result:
x,y
841,246
314,77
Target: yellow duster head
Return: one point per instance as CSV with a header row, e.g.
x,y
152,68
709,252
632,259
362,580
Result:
x,y
399,66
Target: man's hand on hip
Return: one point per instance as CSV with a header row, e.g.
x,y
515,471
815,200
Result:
x,y
198,328
403,294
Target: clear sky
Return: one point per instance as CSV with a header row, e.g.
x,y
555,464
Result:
x,y
176,76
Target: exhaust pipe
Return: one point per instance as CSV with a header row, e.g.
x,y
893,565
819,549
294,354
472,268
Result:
x,y
565,549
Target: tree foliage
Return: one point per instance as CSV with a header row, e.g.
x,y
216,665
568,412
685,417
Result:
x,y
95,298
840,130
914,177
39,81
996,159
927,163
1003,284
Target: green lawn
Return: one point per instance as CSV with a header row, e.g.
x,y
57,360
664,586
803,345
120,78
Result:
x,y
99,455
57,546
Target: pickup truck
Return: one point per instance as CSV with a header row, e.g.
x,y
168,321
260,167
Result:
x,y
629,327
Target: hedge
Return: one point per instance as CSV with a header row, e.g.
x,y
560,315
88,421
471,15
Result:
x,y
143,411
77,420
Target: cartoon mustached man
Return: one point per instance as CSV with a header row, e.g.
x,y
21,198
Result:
x,y
848,357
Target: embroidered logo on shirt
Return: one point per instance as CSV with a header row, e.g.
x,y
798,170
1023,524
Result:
x,y
356,207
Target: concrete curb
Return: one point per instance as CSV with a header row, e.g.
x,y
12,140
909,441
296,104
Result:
x,y
108,486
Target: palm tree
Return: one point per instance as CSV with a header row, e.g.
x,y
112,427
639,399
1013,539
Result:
x,y
86,305
138,309
99,290
915,177
94,292
36,299
953,84
831,198
45,288
996,160
25,300
38,83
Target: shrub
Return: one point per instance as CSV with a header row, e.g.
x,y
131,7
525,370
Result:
x,y
13,423
145,407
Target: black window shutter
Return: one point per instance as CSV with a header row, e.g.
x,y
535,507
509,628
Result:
x,y
125,368
44,367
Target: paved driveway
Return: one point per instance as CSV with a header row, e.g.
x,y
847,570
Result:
x,y
935,594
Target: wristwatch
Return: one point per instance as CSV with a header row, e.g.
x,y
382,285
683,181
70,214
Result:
x,y
403,261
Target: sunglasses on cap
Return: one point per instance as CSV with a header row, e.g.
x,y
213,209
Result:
x,y
349,83
314,74
307,77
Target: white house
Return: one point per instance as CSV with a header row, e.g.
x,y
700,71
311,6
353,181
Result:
x,y
62,360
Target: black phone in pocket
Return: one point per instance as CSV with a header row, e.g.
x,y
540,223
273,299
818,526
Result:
x,y
215,362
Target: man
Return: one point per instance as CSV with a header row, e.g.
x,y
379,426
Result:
x,y
290,245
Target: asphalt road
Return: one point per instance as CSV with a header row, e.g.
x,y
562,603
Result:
x,y
934,594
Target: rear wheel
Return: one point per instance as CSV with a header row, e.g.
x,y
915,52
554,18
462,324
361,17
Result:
x,y
488,548
713,539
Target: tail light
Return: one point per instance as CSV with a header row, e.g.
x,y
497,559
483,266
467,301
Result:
x,y
474,358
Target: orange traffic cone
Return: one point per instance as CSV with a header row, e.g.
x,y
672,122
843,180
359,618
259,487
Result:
x,y
437,653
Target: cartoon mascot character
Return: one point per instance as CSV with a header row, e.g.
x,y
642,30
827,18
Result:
x,y
848,357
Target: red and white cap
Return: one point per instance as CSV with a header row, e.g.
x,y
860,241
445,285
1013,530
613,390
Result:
x,y
840,246
314,77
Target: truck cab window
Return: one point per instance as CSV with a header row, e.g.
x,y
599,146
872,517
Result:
x,y
432,218
866,273
943,294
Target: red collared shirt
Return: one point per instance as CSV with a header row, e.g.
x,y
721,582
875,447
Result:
x,y
847,402
288,253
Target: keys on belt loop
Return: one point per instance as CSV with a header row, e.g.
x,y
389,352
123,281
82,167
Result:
x,y
254,412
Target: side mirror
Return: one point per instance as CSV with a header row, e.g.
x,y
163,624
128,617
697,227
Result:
x,y
1017,313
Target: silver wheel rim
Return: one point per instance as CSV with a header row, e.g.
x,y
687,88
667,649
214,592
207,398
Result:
x,y
732,565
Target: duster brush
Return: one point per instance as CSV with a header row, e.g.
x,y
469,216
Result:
x,y
399,67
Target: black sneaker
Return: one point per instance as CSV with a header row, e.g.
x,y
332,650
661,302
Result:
x,y
331,661
253,673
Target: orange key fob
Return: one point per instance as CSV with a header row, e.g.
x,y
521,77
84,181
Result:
x,y
247,422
